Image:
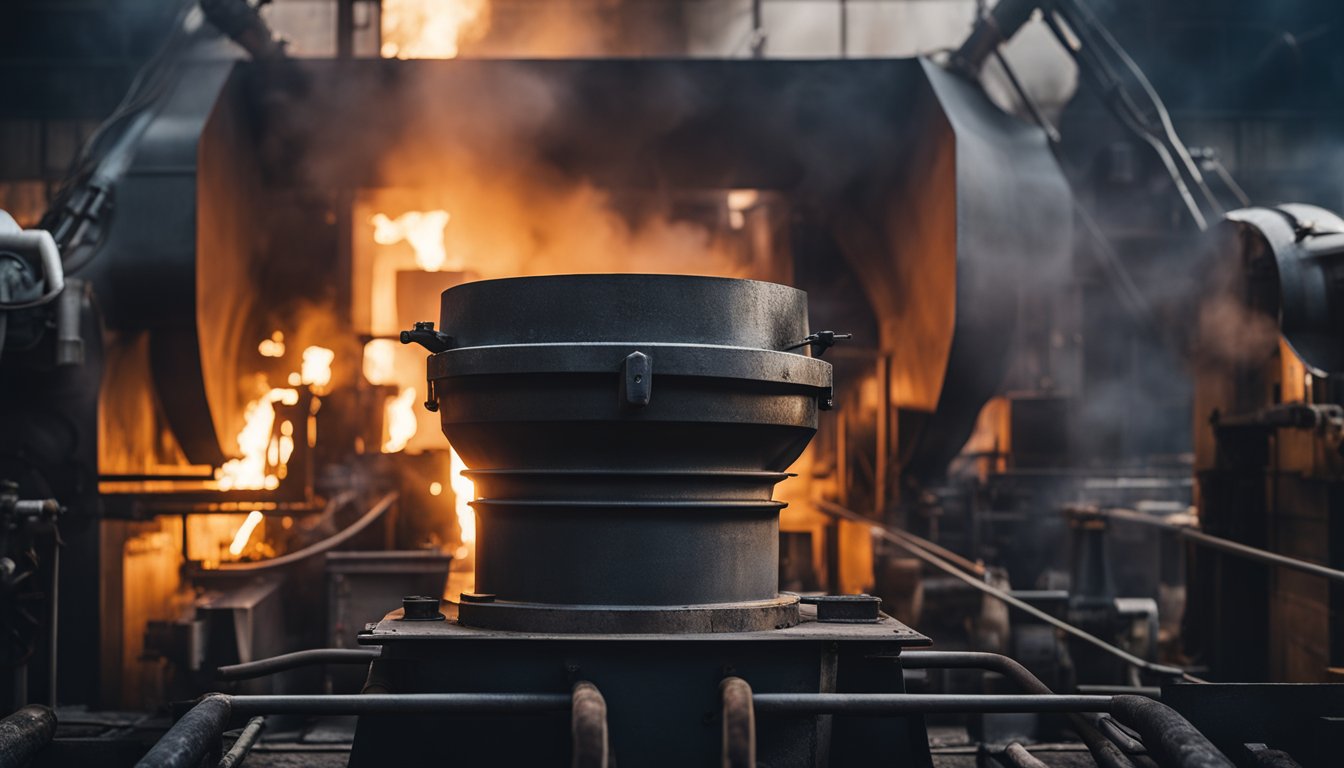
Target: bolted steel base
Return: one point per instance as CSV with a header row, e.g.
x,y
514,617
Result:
x,y
508,616
664,705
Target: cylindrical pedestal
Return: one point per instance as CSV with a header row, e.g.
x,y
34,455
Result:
x,y
625,434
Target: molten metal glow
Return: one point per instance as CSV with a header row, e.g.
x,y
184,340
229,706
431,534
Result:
x,y
430,29
380,361
399,416
422,229
274,346
316,371
464,492
244,533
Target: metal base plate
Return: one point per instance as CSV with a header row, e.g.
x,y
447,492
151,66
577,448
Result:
x,y
753,616
393,630
661,690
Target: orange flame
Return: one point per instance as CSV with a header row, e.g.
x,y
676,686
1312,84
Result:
x,y
464,491
316,371
399,418
274,346
431,29
422,229
252,469
380,361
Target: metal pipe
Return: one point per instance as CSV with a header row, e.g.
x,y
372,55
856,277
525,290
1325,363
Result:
x,y
402,704
1169,737
1103,79
24,733
1151,691
588,726
835,510
1106,752
195,735
1119,736
989,662
920,548
246,740
1225,545
295,660
1051,132
379,680
331,542
69,307
991,30
1017,756
243,25
739,724
921,704
38,243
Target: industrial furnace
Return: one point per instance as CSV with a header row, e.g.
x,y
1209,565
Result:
x,y
383,406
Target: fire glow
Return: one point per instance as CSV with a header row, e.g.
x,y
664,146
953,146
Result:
x,y
263,450
380,361
316,371
423,230
399,416
464,492
274,346
430,29
251,471
244,533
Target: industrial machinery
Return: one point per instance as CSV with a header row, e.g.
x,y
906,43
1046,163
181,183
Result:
x,y
375,406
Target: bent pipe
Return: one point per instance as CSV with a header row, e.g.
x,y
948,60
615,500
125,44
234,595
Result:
x,y
1169,737
739,724
1106,752
296,660
25,733
588,726
38,243
329,543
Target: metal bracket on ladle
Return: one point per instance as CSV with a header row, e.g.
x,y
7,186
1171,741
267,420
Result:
x,y
820,341
435,341
425,335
